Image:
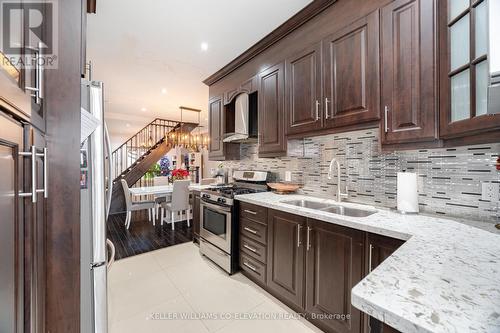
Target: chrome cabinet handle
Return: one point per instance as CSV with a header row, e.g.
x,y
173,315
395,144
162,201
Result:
x,y
253,268
250,230
317,110
38,89
45,174
326,108
386,121
308,240
250,212
370,259
250,248
298,235
34,191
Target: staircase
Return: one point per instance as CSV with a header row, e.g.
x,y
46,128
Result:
x,y
138,154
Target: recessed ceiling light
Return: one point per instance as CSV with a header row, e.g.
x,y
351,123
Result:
x,y
204,46
128,125
144,109
164,91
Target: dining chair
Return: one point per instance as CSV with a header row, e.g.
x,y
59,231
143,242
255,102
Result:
x,y
160,198
207,181
179,203
132,206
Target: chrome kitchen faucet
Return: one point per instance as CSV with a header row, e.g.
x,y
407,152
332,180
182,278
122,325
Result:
x,y
340,195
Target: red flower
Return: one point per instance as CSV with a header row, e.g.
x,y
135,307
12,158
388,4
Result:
x,y
180,173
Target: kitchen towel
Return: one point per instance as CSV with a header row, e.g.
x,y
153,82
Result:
x,y
407,192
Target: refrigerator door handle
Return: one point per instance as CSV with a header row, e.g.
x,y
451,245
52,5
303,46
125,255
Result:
x,y
111,247
111,176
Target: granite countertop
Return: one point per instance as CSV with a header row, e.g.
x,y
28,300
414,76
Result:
x,y
445,278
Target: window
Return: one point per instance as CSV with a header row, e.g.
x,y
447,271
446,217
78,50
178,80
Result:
x,y
468,72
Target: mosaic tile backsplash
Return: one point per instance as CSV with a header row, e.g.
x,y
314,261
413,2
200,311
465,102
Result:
x,y
449,179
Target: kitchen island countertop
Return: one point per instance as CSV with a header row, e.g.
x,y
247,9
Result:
x,y
445,278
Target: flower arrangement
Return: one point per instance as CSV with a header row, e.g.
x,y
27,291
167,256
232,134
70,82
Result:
x,y
164,166
153,171
179,174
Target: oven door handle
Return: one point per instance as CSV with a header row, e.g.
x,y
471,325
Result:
x,y
215,207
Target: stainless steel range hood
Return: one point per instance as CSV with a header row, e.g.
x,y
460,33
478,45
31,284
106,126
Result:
x,y
494,57
242,120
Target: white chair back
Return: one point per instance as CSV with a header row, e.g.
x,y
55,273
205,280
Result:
x,y
160,181
126,194
180,195
207,181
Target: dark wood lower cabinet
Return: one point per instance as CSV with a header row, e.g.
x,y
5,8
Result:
x,y
378,249
22,225
312,267
334,265
11,227
286,254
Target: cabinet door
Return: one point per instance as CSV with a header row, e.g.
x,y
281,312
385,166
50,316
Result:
x,y
286,251
272,141
409,71
334,264
351,67
465,76
11,227
303,91
380,248
216,127
34,228
13,76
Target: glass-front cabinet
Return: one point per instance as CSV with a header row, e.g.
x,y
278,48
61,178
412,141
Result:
x,y
465,69
21,64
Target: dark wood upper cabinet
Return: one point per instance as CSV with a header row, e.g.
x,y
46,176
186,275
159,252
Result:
x,y
216,125
272,140
303,91
409,71
463,90
334,264
286,254
351,73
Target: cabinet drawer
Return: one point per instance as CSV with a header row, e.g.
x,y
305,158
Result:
x,y
253,230
253,249
253,212
253,268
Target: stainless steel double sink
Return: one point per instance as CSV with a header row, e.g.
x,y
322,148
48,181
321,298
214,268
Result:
x,y
330,208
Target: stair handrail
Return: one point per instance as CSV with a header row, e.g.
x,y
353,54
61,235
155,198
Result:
x,y
146,127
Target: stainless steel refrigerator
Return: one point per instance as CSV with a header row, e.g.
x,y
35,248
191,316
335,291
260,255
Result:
x,y
95,186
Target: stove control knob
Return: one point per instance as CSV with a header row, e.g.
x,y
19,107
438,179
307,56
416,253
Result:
x,y
206,196
221,200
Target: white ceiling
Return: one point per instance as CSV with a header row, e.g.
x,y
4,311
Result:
x,y
139,48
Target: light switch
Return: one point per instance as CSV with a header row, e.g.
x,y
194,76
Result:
x,y
490,192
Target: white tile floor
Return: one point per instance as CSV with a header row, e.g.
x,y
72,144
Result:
x,y
147,291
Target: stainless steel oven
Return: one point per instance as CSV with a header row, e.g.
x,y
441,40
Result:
x,y
219,227
216,225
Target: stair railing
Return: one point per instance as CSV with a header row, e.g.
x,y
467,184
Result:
x,y
140,143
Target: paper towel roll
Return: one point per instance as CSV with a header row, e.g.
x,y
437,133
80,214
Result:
x,y
288,176
407,192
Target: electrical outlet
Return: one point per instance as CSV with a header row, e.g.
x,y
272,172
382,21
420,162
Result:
x,y
490,192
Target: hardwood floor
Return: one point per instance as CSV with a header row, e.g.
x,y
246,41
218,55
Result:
x,y
143,236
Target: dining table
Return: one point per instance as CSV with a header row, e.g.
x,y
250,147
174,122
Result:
x,y
163,189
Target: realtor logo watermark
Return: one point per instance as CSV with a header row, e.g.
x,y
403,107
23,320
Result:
x,y
28,35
